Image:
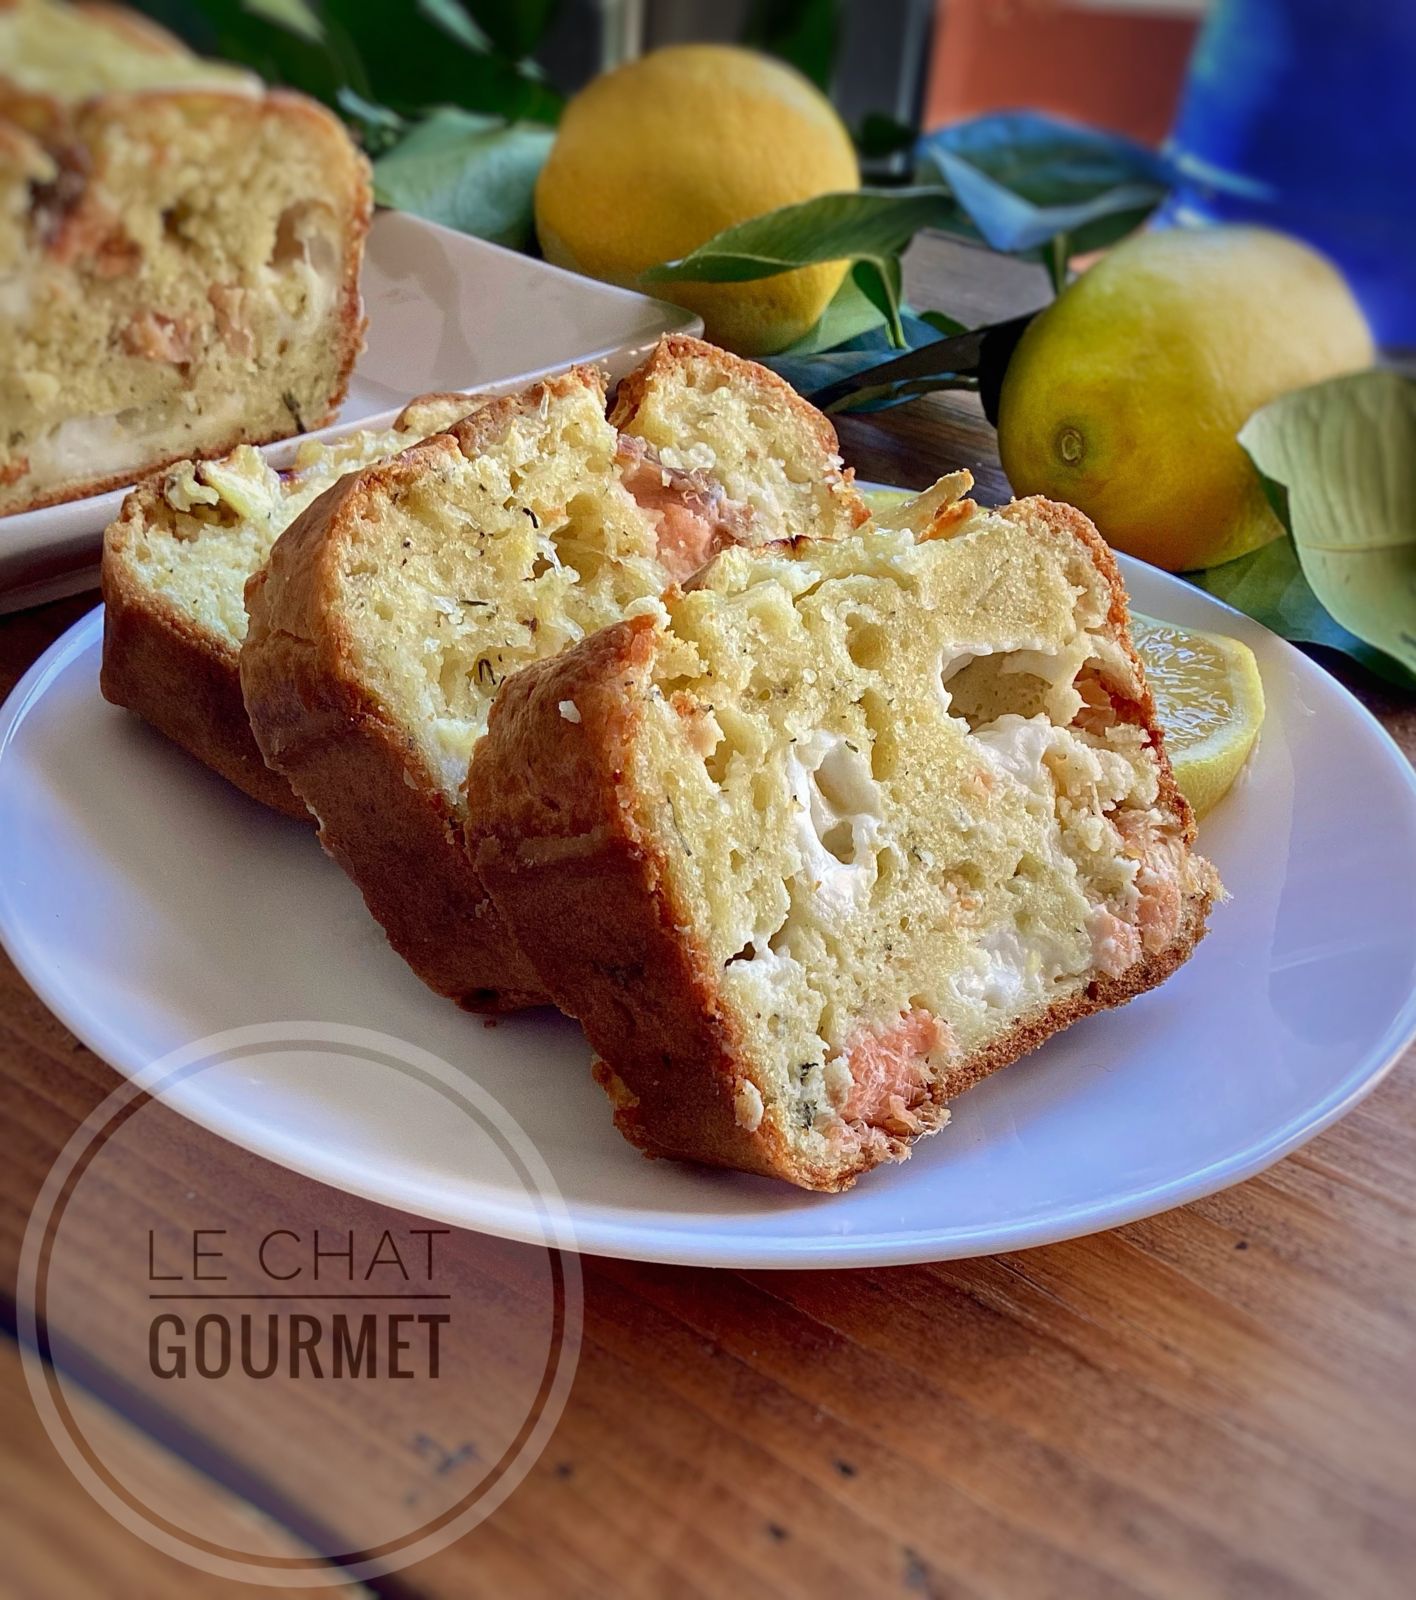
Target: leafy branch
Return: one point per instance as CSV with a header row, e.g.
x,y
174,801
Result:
x,y
1022,183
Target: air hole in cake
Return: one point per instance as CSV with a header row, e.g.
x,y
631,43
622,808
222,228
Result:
x,y
761,957
578,538
844,779
866,644
719,757
839,839
451,676
887,871
884,739
298,236
839,808
980,686
1031,868
716,762
1098,710
175,220
966,876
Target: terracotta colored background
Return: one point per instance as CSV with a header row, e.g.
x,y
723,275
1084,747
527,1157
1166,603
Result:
x,y
1109,62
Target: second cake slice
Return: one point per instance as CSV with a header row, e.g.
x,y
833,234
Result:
x,y
395,607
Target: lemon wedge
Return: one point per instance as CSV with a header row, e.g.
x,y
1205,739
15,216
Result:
x,y
1209,698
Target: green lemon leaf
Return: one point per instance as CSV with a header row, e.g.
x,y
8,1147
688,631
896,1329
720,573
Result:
x,y
1338,462
296,15
812,370
471,172
284,42
867,374
864,224
432,54
867,227
407,57
514,29
377,126
456,23
1268,585
880,280
849,314
1023,179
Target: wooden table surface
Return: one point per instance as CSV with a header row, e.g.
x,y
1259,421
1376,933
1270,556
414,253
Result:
x,y
1220,1401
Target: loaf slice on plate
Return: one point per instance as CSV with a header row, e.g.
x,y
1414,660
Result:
x,y
175,565
840,829
179,254
395,607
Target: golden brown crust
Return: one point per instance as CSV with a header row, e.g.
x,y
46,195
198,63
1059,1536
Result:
x,y
353,323
381,815
676,348
777,394
349,182
182,678
554,837
557,847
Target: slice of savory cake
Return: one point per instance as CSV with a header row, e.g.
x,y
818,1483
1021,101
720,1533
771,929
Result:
x,y
179,254
839,830
696,408
392,611
175,565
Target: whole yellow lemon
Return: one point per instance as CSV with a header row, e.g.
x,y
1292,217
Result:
x,y
1125,395
659,155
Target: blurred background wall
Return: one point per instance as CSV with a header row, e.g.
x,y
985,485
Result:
x,y
1118,63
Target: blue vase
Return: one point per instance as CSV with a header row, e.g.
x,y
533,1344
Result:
x,y
1301,115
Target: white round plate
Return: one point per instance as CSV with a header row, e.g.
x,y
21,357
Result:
x,y
151,905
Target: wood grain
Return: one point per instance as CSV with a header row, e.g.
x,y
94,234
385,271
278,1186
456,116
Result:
x,y
57,1542
1217,1401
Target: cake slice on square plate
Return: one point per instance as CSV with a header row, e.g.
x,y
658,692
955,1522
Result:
x,y
179,254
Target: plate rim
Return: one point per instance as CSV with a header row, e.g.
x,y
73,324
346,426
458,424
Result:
x,y
643,1238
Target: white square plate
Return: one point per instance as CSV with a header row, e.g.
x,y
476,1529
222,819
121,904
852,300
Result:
x,y
446,312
